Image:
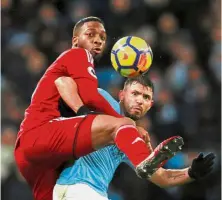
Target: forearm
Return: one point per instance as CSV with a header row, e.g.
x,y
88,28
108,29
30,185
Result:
x,y
93,99
169,178
68,90
177,177
100,104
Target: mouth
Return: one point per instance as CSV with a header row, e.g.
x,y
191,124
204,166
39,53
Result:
x,y
97,50
138,109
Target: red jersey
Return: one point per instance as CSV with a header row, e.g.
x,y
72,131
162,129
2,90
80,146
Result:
x,y
78,64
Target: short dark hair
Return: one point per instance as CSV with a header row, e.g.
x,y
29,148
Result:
x,y
84,20
142,79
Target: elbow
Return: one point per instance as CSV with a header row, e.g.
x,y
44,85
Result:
x,y
63,81
163,185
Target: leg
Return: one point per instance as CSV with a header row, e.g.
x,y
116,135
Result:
x,y
39,179
52,142
105,130
40,152
109,130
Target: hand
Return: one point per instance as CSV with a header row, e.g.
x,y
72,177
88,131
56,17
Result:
x,y
66,111
201,166
145,136
83,110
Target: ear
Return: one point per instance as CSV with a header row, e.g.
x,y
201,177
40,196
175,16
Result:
x,y
74,41
152,103
121,95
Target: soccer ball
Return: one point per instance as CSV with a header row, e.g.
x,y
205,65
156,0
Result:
x,y
131,56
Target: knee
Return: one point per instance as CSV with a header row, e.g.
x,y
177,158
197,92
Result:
x,y
124,121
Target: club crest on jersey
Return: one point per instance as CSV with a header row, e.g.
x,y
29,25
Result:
x,y
92,72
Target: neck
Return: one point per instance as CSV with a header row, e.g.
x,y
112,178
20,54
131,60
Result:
x,y
122,112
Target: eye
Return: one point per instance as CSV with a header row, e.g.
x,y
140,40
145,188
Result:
x,y
146,97
90,34
135,93
103,38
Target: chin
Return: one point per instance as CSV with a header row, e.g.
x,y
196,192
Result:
x,y
133,117
97,57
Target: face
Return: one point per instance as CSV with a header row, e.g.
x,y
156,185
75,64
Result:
x,y
91,36
136,100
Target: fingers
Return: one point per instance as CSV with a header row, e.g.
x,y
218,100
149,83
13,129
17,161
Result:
x,y
209,164
150,146
210,156
207,171
209,159
200,156
202,165
144,134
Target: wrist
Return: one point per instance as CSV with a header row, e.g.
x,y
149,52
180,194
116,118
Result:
x,y
191,174
83,110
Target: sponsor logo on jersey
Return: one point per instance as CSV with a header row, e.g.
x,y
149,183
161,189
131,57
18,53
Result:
x,y
92,72
137,140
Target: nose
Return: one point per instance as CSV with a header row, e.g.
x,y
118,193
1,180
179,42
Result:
x,y
139,100
97,40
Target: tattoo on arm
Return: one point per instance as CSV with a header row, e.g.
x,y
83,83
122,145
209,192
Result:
x,y
176,176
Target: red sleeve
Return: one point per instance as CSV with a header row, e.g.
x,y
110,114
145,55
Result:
x,y
79,66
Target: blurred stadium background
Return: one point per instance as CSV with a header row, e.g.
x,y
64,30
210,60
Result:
x,y
185,36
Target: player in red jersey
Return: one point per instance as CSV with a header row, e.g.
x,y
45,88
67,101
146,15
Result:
x,y
45,141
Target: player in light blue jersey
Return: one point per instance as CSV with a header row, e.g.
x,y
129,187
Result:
x,y
89,176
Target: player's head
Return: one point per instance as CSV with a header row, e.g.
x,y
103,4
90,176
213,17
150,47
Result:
x,y
136,98
89,33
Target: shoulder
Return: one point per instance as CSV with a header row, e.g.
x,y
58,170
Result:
x,y
110,99
76,53
106,94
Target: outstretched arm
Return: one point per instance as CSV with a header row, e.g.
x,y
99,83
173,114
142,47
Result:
x,y
167,178
201,166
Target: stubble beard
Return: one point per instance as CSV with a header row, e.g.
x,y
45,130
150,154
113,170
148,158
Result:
x,y
133,117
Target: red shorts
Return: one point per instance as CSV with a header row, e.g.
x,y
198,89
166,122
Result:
x,y
40,152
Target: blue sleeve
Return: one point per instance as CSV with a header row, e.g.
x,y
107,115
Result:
x,y
127,161
115,105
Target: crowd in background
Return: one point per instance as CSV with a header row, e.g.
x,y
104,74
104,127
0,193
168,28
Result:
x,y
185,36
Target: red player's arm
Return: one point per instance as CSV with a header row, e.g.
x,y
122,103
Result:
x,y
68,90
78,66
92,98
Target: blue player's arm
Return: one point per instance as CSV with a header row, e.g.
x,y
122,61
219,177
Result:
x,y
127,161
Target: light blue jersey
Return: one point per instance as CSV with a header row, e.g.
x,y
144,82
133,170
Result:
x,y
96,169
